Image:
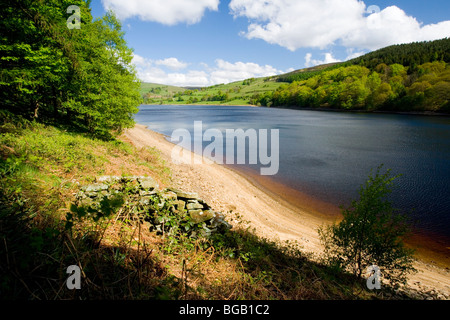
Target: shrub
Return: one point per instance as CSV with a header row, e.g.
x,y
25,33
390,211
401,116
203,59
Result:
x,y
371,233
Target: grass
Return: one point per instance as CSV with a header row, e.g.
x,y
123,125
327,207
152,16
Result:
x,y
158,91
41,169
236,93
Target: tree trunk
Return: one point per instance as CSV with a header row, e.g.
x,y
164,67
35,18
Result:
x,y
36,109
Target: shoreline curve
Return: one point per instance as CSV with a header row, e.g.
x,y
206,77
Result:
x,y
270,215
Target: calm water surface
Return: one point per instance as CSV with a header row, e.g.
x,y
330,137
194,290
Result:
x,y
328,155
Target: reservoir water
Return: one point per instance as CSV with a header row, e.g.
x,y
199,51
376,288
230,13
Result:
x,y
328,155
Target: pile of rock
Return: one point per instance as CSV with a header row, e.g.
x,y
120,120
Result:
x,y
145,194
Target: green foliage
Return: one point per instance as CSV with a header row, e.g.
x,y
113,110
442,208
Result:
x,y
409,55
371,233
357,87
27,247
248,82
49,72
305,74
106,208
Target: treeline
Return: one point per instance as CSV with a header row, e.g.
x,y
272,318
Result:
x,y
388,87
305,74
53,70
409,55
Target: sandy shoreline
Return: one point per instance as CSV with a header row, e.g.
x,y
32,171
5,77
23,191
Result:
x,y
272,217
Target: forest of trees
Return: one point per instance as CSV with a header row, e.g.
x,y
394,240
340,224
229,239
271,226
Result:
x,y
408,55
51,71
358,85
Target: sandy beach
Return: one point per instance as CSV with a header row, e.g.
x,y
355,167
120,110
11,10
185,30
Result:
x,y
271,217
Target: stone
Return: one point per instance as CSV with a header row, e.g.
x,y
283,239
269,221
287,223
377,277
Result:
x,y
148,183
144,193
187,195
169,195
199,216
161,204
108,179
184,195
81,195
86,202
203,202
145,201
95,187
218,222
180,204
194,206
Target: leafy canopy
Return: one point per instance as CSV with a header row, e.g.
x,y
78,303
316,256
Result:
x,y
50,72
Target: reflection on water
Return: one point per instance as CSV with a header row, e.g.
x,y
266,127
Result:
x,y
330,154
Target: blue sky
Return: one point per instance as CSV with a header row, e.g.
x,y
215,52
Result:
x,y
206,42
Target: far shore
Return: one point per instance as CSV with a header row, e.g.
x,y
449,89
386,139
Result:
x,y
294,217
411,113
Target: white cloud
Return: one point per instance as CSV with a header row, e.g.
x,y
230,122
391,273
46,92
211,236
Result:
x,y
226,72
321,23
172,63
309,62
168,12
300,23
352,55
393,26
222,72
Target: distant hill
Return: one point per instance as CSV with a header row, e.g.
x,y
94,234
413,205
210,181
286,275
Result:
x,y
159,89
402,77
411,77
408,55
235,93
304,74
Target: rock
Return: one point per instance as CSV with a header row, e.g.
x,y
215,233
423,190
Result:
x,y
146,200
169,195
199,216
108,179
144,193
203,202
148,183
194,206
161,204
218,222
184,195
95,188
80,195
180,205
86,202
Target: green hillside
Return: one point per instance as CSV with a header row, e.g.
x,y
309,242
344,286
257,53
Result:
x,y
158,91
304,74
235,93
408,55
407,77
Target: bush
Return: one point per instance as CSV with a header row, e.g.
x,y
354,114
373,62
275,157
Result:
x,y
370,233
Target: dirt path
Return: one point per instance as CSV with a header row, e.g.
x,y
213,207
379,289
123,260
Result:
x,y
226,190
